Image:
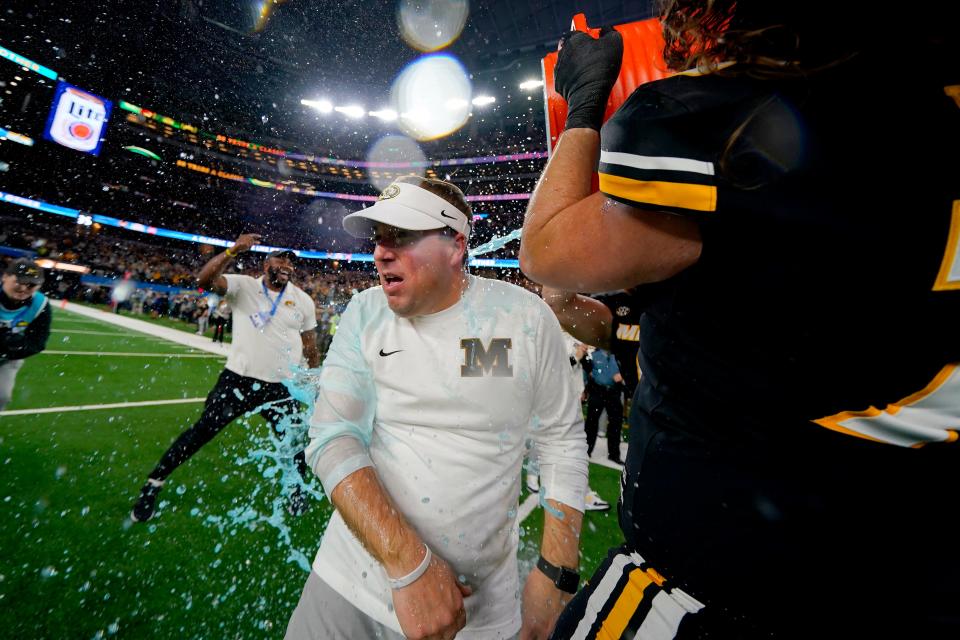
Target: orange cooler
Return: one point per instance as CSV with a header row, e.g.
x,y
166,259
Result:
x,y
642,62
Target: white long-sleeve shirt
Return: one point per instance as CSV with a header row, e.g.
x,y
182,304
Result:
x,y
457,396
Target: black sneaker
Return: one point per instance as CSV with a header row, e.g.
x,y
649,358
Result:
x,y
146,504
299,502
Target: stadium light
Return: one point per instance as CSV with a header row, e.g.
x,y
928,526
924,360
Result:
x,y
480,101
323,106
45,263
455,103
531,84
352,111
387,115
416,116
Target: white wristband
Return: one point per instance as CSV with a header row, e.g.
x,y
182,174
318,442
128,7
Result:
x,y
410,578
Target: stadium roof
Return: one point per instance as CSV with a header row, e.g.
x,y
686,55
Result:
x,y
212,59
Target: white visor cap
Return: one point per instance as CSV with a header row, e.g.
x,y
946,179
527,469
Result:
x,y
407,206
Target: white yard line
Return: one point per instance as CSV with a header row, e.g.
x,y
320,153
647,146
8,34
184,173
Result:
x,y
600,455
121,334
125,354
98,333
531,503
200,343
91,407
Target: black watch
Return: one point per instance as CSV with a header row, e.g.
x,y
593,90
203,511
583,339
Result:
x,y
566,579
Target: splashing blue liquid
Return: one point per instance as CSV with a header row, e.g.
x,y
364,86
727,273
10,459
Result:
x,y
556,513
495,243
273,454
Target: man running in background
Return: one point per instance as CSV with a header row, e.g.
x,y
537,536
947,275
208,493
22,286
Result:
x,y
24,321
273,330
433,385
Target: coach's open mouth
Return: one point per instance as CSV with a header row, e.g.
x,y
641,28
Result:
x,y
390,281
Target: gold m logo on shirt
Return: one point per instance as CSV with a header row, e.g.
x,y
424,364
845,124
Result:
x,y
629,332
478,362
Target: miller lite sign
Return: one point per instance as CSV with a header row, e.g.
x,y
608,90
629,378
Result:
x,y
77,119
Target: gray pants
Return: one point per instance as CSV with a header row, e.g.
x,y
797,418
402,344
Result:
x,y
323,614
8,375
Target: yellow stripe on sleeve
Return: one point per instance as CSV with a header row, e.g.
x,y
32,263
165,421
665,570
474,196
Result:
x,y
626,605
697,197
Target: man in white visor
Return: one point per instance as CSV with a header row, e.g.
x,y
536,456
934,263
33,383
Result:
x,y
434,385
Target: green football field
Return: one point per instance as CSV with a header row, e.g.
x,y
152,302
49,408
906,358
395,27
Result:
x,y
71,563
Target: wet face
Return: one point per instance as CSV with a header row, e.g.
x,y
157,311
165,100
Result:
x,y
421,271
16,290
277,272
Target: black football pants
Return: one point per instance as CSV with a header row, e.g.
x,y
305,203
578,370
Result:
x,y
232,396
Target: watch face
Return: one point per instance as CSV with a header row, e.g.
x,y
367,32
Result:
x,y
568,580
563,578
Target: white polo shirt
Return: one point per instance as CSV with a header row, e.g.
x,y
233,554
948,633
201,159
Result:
x,y
265,347
460,395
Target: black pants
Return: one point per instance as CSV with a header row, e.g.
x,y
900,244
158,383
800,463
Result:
x,y
324,343
218,326
598,399
232,396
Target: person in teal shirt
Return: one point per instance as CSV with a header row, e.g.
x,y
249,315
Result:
x,y
24,321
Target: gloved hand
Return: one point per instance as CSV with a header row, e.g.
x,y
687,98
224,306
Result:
x,y
11,343
587,68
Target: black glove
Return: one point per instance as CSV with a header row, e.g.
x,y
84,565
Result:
x,y
587,68
13,343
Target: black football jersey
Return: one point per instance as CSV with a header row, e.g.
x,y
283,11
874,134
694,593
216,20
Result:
x,y
625,332
828,288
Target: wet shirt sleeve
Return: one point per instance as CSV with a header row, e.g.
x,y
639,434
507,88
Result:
x,y
342,420
557,422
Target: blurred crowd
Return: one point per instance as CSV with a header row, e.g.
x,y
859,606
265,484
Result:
x,y
118,255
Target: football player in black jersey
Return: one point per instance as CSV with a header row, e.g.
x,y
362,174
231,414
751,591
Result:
x,y
795,191
613,324
609,321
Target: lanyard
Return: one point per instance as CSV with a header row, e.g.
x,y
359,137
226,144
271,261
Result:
x,y
276,302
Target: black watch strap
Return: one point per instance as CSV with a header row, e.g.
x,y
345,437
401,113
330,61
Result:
x,y
566,579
